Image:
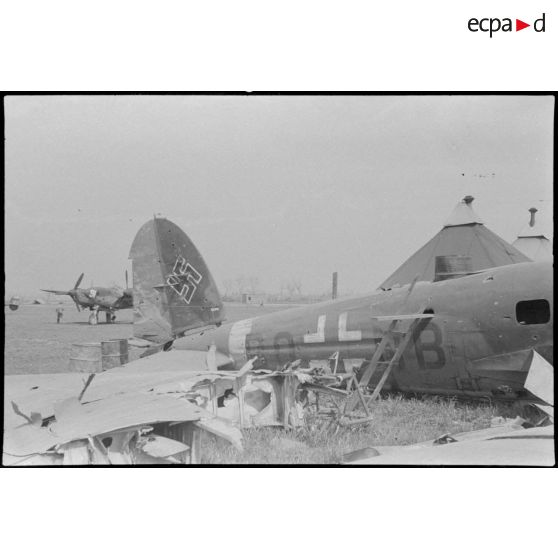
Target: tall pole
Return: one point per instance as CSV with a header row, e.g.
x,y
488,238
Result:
x,y
334,285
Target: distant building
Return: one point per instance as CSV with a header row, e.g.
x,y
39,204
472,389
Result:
x,y
532,242
254,298
463,234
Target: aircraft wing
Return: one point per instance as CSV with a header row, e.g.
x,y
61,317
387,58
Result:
x,y
491,447
164,372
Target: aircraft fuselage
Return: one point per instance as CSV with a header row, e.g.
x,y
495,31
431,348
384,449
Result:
x,y
104,298
478,343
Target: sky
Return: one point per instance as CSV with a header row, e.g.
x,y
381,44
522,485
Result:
x,y
274,187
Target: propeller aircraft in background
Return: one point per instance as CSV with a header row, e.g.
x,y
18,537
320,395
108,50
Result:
x,y
99,299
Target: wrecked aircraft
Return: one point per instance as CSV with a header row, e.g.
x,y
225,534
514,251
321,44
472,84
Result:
x,y
468,333
465,334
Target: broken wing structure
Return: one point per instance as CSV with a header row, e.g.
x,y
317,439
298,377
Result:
x,y
134,414
133,428
129,416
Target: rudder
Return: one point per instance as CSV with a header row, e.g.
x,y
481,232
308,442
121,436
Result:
x,y
174,291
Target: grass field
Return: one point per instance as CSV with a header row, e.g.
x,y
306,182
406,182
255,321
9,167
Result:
x,y
397,421
35,343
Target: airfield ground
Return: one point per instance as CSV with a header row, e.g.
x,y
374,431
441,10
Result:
x,y
35,343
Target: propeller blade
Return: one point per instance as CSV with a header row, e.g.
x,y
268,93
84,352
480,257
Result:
x,y
76,302
73,297
78,281
56,292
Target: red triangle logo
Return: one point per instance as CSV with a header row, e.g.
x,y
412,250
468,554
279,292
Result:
x,y
519,25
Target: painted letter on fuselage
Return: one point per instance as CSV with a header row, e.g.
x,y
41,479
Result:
x,y
344,335
429,341
319,336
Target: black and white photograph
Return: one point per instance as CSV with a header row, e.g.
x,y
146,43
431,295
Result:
x,y
278,279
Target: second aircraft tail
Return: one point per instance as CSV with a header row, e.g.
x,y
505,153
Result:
x,y
174,291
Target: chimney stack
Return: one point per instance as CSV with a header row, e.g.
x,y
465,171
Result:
x,y
334,285
532,211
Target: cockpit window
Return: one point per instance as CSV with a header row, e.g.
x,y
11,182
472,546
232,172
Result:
x,y
532,312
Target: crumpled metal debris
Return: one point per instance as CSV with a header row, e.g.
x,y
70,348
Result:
x,y
126,418
112,431
444,439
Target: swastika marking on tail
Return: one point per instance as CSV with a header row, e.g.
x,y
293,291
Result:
x,y
184,279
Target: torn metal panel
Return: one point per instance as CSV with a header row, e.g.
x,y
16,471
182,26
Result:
x,y
37,460
26,440
540,379
37,392
547,409
98,451
262,398
76,453
122,411
160,446
40,392
118,447
222,429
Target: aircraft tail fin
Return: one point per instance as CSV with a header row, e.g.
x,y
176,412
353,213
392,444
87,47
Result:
x,y
174,291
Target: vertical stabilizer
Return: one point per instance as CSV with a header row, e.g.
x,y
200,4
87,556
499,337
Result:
x,y
174,292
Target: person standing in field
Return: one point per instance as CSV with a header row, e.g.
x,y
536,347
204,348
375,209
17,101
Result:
x,y
59,313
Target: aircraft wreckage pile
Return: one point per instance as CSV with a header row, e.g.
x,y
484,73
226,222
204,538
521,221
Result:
x,y
132,417
442,323
135,417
